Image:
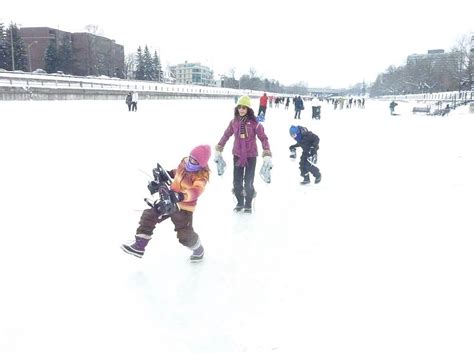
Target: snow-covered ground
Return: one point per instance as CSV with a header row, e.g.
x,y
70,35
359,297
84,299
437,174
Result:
x,y
377,259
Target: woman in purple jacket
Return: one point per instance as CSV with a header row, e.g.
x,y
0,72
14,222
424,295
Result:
x,y
245,129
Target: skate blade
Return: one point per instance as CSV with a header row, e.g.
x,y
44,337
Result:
x,y
130,252
196,261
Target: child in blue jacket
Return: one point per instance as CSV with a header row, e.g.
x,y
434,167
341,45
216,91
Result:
x,y
309,142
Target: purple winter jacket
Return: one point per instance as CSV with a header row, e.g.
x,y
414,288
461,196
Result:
x,y
245,147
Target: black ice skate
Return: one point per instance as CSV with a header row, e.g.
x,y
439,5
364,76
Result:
x,y
238,208
305,180
197,255
137,248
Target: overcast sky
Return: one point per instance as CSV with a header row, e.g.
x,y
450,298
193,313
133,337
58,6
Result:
x,y
322,44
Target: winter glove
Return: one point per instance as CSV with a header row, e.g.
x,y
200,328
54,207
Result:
x,y
311,151
165,208
265,171
153,187
176,196
293,154
292,151
219,160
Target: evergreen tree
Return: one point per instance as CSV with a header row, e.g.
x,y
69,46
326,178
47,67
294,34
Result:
x,y
51,59
19,60
140,72
158,73
3,47
148,72
230,82
65,58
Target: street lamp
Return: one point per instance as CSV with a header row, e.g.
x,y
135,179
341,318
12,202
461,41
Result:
x,y
29,54
13,52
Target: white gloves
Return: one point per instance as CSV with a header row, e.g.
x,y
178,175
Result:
x,y
219,160
265,171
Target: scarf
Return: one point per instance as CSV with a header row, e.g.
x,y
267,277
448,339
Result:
x,y
192,168
242,135
243,131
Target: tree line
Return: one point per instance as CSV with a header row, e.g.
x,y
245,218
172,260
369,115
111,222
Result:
x,y
252,81
143,66
12,49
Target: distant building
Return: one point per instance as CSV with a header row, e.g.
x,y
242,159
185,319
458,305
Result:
x,y
437,59
96,55
432,55
192,73
90,54
37,40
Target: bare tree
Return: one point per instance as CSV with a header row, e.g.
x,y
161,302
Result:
x,y
130,65
252,73
94,29
462,63
231,73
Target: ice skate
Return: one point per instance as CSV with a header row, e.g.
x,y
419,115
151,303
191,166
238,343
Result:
x,y
136,248
197,255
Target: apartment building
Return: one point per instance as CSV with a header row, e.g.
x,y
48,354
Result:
x,y
433,55
91,54
192,73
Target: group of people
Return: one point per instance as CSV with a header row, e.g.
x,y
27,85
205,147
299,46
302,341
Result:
x,y
192,174
349,103
132,100
297,102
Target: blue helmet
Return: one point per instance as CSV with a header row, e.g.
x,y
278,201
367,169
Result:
x,y
295,132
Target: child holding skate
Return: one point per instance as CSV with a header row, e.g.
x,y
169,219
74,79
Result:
x,y
189,181
309,142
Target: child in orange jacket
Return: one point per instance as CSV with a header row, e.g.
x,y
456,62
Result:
x,y
189,181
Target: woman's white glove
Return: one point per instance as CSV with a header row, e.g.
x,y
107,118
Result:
x,y
265,171
219,160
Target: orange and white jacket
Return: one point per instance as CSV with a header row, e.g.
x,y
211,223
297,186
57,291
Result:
x,y
191,184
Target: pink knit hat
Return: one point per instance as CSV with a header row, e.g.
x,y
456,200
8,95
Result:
x,y
201,153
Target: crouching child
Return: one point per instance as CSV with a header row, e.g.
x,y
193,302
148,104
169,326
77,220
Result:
x,y
309,142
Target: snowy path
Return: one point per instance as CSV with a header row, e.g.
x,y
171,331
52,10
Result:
x,y
377,259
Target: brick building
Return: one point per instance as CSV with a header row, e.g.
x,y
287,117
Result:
x,y
91,54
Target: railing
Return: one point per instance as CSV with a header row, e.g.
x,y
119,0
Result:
x,y
453,98
32,81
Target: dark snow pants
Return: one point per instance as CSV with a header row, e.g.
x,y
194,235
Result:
x,y
243,180
183,225
306,166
